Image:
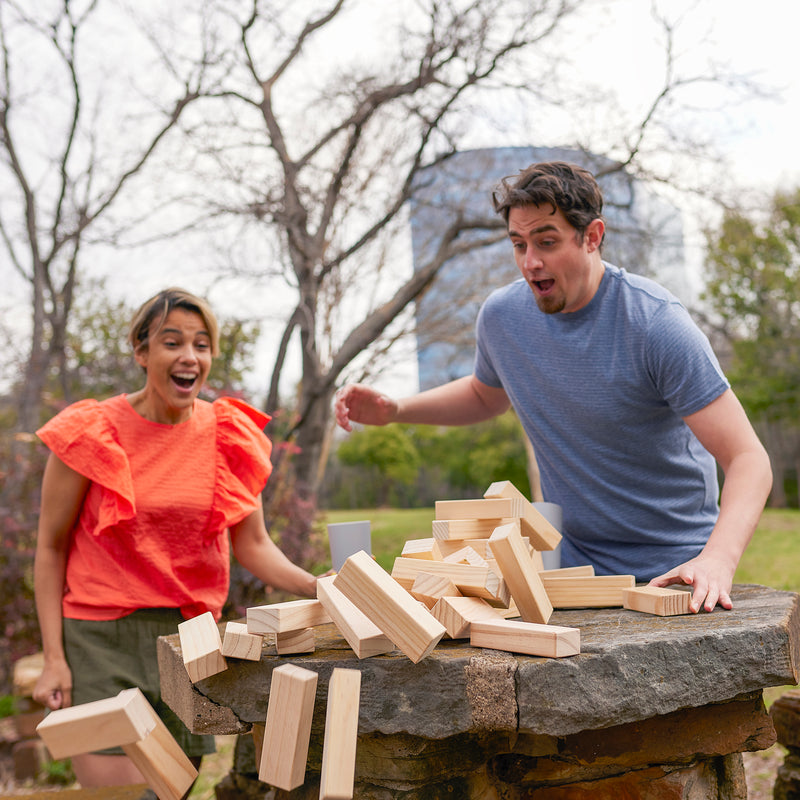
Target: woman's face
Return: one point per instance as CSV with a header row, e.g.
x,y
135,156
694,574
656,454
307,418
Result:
x,y
177,360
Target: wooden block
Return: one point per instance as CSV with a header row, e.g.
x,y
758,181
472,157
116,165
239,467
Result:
x,y
466,555
112,722
358,630
407,623
447,547
520,574
530,638
257,732
341,734
592,591
201,646
288,726
464,529
472,581
493,508
659,600
162,762
458,613
429,588
543,535
569,572
238,643
422,548
294,615
290,642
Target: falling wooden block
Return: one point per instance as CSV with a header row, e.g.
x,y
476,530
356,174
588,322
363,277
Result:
x,y
405,621
458,613
529,638
591,591
126,721
341,734
422,548
112,722
659,600
294,615
358,630
520,574
466,555
494,508
472,581
541,532
429,588
238,643
201,646
290,642
287,729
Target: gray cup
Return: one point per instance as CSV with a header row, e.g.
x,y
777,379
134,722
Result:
x,y
347,538
552,512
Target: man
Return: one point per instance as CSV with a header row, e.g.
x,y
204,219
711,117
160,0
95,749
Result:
x,y
618,390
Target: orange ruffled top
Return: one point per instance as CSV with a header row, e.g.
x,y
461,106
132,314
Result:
x,y
152,531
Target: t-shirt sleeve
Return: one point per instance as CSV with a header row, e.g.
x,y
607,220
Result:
x,y
83,438
243,460
682,362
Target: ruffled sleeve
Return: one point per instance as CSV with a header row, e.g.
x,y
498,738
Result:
x,y
243,461
84,439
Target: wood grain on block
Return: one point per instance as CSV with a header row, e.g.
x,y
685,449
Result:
x,y
543,535
422,548
341,734
466,555
294,615
472,581
591,591
429,588
166,768
358,630
403,619
465,529
659,600
238,643
529,638
112,722
201,646
569,572
287,730
292,642
258,742
457,613
494,508
520,574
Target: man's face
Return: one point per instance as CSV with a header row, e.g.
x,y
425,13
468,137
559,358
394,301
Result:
x,y
562,270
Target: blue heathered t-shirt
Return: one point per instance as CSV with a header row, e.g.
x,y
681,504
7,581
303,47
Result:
x,y
601,393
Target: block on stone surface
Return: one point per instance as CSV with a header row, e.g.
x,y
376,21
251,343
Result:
x,y
358,630
520,574
403,619
291,642
201,646
238,643
591,591
529,638
111,722
662,601
458,613
293,615
341,733
287,730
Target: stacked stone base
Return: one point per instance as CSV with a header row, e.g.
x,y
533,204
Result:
x,y
691,754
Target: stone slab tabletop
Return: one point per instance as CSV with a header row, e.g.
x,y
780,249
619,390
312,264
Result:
x,y
631,667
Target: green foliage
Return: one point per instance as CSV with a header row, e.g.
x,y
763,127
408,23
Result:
x,y
59,773
753,285
8,705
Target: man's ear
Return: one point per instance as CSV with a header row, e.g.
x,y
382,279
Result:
x,y
593,235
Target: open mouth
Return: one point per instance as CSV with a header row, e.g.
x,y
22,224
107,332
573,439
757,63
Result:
x,y
184,381
544,286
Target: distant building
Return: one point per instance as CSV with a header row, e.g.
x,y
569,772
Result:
x,y
644,234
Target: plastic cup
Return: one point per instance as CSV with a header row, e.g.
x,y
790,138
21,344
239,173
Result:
x,y
347,538
553,513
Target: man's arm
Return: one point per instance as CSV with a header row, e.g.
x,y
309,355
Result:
x,y
723,429
461,402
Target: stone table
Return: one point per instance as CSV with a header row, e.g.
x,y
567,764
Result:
x,y
651,707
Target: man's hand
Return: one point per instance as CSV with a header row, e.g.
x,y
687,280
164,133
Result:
x,y
711,579
358,403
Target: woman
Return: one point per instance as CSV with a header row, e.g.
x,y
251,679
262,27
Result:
x,y
138,494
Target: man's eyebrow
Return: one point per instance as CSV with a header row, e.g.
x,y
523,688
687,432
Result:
x,y
541,229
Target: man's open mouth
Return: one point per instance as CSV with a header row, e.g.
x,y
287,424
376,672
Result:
x,y
545,285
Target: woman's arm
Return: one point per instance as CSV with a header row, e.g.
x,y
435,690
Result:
x,y
258,554
63,491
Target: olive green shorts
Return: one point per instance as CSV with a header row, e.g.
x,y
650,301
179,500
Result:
x,y
108,656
